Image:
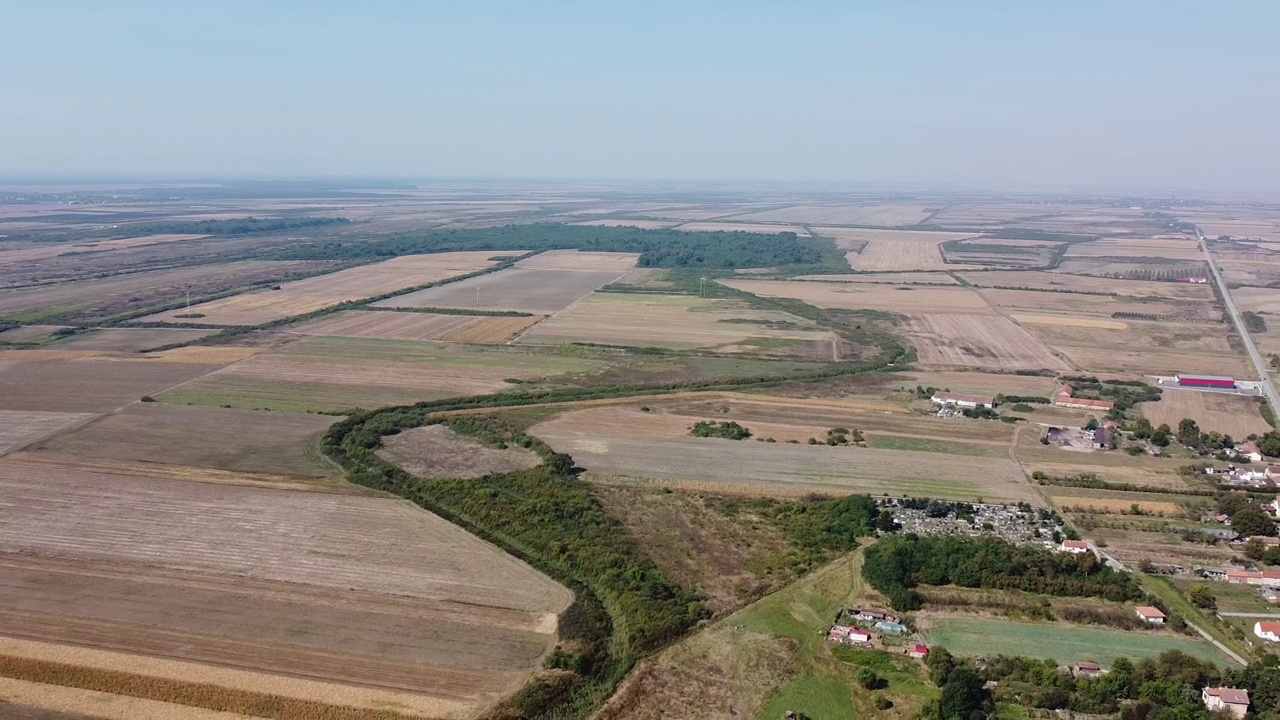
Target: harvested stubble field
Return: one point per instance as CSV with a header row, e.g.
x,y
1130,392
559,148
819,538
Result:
x,y
95,299
1155,337
1089,284
741,227
128,340
628,448
1257,299
388,325
1233,415
304,296
435,451
1065,321
1168,248
846,296
1061,642
676,321
1101,306
92,386
885,215
336,374
1154,361
543,284
245,441
982,341
894,250
19,428
43,252
887,278
361,590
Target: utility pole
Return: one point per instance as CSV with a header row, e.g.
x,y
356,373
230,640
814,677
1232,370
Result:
x,y
702,286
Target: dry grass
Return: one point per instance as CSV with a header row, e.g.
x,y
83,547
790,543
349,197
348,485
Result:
x,y
1233,415
982,341
435,451
1154,361
304,296
673,321
1089,504
417,326
1089,284
1256,299
980,383
899,299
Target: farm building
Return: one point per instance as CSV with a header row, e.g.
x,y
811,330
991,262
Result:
x,y
918,651
1265,578
1209,381
1150,615
1231,700
848,635
1268,630
963,400
1075,547
1270,595
1088,670
1250,450
1064,398
891,628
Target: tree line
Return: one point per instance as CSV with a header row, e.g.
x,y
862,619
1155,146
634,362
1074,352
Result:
x,y
896,565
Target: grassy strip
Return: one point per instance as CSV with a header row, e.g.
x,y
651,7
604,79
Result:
x,y
1165,591
181,692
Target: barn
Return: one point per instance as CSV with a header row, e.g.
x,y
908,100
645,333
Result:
x,y
1210,381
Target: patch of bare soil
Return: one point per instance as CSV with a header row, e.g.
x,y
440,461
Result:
x,y
437,451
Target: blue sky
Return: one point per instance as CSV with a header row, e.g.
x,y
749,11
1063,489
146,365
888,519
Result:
x,y
992,94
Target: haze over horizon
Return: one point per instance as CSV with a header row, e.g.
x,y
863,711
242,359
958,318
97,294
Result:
x,y
1143,94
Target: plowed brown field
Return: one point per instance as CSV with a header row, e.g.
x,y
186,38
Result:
x,y
417,326
981,341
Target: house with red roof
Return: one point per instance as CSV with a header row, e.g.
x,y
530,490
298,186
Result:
x,y
1150,614
1268,630
918,651
1231,700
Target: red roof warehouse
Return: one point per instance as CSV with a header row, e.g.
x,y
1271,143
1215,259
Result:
x,y
1217,381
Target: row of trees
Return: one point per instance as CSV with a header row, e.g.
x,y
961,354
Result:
x,y
898,564
657,248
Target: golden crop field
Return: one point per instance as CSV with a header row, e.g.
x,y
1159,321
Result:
x,y
981,341
304,296
847,296
1088,284
893,250
1172,248
887,278
1070,321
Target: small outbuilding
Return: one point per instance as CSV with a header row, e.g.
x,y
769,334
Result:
x,y
1268,630
1151,615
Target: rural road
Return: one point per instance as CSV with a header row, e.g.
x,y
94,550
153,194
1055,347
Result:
x,y
1245,337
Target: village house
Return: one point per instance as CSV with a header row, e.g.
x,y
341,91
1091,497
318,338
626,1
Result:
x,y
1273,508
1150,615
1231,700
1249,450
1265,578
873,616
963,400
1268,630
1272,472
918,651
1063,398
1075,547
1088,670
848,635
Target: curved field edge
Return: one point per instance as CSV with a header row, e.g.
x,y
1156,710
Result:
x,y
625,608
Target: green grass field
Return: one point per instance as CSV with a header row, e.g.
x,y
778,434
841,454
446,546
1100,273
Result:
x,y
1058,641
898,442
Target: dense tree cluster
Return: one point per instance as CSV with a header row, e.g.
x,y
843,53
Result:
x,y
237,226
657,248
727,430
897,564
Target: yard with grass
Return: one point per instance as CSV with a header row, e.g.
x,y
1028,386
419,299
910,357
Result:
x,y
1061,642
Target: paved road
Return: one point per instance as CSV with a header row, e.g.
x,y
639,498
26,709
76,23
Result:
x,y
1267,388
1273,616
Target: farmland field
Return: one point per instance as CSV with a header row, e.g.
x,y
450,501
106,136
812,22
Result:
x,y
337,374
1144,348
847,296
304,296
982,341
980,383
887,278
89,385
93,246
740,227
128,340
416,326
674,321
623,450
543,284
1233,415
1089,284
1170,248
893,250
1102,306
19,428
887,215
225,439
94,299
1058,641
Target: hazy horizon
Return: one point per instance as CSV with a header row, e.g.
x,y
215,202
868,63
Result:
x,y
1146,95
